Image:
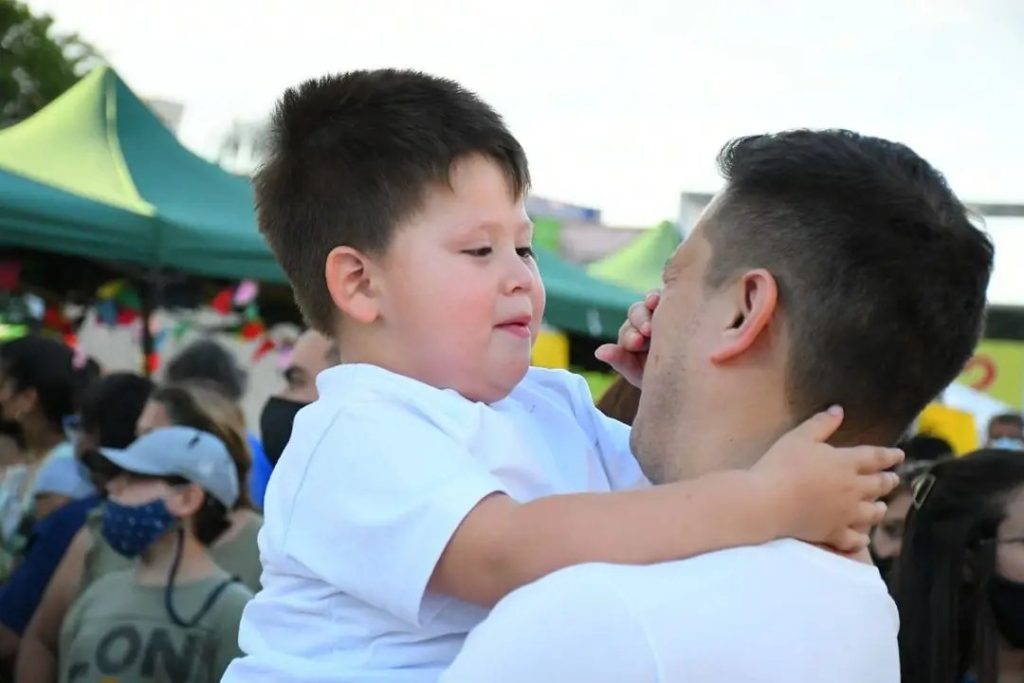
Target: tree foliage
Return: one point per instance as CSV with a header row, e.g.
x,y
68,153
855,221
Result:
x,y
36,64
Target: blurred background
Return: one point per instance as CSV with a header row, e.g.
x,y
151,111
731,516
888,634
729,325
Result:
x,y
125,216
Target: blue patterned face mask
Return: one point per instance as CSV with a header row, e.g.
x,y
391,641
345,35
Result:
x,y
1008,443
130,529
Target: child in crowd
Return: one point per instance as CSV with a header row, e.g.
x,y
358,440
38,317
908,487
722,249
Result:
x,y
437,472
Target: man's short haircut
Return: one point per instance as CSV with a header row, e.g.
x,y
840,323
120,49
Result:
x,y
351,157
881,273
1015,419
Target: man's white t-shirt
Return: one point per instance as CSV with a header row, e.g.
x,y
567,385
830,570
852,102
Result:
x,y
377,476
783,612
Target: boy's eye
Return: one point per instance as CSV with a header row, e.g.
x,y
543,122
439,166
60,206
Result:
x,y
482,251
525,252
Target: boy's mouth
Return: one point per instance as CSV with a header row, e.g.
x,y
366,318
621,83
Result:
x,y
518,326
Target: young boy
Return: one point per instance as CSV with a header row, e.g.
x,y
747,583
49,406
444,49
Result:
x,y
437,472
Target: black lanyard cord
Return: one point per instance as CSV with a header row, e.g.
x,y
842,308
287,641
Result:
x,y
210,599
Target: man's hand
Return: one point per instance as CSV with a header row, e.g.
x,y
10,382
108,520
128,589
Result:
x,y
826,494
628,356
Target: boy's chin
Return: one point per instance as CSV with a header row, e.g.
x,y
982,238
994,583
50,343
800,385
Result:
x,y
501,383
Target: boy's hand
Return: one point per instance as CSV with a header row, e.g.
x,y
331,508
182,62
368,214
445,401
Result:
x,y
629,355
825,494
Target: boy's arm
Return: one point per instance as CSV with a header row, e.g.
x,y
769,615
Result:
x,y
801,488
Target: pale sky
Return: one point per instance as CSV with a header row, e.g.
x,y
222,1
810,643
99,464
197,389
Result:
x,y
620,105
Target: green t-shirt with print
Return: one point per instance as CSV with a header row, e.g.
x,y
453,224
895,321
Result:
x,y
120,632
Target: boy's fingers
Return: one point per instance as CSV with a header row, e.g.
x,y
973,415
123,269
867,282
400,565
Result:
x,y
877,459
870,514
634,341
607,353
821,426
879,485
639,318
652,299
850,541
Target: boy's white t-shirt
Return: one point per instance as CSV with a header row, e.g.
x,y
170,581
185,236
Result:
x,y
782,612
377,476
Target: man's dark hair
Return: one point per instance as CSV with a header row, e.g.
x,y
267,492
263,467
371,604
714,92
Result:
x,y
350,158
881,273
111,408
1015,419
207,361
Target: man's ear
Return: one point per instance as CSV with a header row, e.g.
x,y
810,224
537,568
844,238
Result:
x,y
349,280
754,305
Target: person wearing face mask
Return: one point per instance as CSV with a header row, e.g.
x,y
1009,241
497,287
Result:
x,y
41,381
313,353
960,584
1006,431
64,497
175,614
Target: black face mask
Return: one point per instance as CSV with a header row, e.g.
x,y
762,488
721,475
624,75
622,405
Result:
x,y
1007,600
276,425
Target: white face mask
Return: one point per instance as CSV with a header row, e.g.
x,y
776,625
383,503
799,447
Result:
x,y
1008,443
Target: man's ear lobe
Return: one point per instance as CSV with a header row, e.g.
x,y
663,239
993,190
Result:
x,y
756,300
349,278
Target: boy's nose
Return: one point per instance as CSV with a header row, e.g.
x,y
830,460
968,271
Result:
x,y
519,276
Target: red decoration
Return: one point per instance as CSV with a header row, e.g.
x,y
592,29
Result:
x,y
52,318
153,362
223,301
262,350
252,330
10,275
126,316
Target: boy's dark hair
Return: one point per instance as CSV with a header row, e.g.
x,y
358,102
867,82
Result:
x,y
111,408
47,366
207,361
881,274
350,158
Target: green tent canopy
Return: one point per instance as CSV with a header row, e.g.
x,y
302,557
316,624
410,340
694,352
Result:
x,y
96,174
638,265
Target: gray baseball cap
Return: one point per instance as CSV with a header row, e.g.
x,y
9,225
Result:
x,y
197,456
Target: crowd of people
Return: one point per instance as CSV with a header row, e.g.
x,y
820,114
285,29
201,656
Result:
x,y
130,517
420,504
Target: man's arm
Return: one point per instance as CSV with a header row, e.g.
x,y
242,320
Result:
x,y
569,626
37,661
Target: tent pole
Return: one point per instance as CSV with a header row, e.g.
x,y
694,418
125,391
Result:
x,y
152,293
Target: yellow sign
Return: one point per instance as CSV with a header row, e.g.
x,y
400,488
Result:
x,y
955,426
551,350
997,369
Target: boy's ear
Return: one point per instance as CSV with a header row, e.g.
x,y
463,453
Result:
x,y
350,283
